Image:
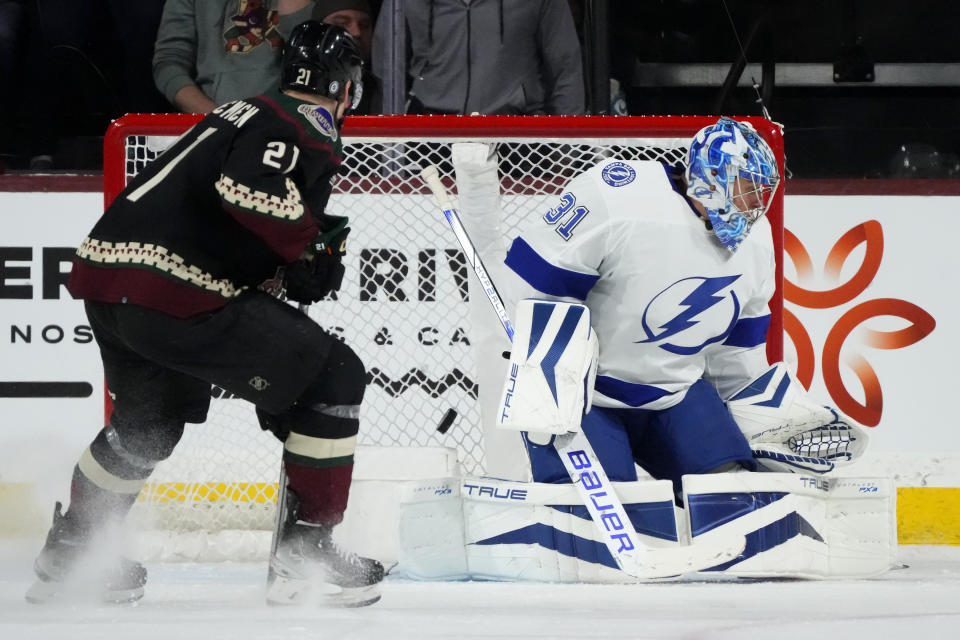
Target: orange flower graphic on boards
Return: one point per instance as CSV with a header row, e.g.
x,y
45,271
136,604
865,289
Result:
x,y
835,347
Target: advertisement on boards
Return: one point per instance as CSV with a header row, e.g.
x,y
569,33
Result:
x,y
869,318
869,314
51,390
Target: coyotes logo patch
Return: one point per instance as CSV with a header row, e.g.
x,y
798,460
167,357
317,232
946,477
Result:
x,y
252,25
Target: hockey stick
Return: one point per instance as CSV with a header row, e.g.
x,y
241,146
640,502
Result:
x,y
634,558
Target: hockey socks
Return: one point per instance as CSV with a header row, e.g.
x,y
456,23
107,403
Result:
x,y
322,491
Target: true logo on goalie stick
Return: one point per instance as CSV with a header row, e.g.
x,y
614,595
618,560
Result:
x,y
320,119
617,174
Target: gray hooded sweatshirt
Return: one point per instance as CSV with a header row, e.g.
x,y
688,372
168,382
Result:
x,y
231,49
492,56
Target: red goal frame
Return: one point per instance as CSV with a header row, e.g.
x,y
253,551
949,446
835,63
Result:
x,y
398,127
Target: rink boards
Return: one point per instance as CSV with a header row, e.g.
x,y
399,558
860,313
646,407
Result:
x,y
863,240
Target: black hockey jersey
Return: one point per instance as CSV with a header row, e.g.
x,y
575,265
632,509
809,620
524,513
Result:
x,y
235,197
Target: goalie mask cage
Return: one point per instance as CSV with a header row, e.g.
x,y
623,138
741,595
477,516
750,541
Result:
x,y
403,305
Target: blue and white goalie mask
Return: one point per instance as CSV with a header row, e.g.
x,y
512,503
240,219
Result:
x,y
733,173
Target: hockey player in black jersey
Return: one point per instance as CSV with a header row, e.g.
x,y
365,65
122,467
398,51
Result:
x,y
171,280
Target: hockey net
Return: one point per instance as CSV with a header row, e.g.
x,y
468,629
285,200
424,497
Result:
x,y
403,305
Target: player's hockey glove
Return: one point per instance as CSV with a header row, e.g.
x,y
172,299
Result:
x,y
332,239
311,279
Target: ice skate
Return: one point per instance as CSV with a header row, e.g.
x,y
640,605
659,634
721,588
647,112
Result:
x,y
69,569
307,566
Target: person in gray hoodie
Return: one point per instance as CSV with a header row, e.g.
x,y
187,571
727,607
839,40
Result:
x,y
356,18
212,51
487,56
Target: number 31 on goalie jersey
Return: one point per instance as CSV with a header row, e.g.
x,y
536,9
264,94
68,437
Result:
x,y
553,216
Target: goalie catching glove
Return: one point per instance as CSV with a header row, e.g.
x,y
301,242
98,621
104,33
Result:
x,y
310,279
788,431
552,370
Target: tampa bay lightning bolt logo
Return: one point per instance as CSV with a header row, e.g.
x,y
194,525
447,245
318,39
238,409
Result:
x,y
691,313
617,174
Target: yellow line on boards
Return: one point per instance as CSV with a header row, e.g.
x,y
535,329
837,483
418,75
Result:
x,y
240,492
925,515
928,515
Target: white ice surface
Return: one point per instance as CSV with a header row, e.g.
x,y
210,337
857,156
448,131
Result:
x,y
225,601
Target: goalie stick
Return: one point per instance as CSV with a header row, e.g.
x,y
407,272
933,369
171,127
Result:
x,y
632,556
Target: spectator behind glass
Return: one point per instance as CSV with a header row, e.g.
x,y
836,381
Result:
x,y
11,13
97,52
487,56
355,17
212,51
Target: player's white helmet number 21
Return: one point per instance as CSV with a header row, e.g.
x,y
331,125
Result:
x,y
733,173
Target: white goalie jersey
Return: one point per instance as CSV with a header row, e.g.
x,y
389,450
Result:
x,y
669,304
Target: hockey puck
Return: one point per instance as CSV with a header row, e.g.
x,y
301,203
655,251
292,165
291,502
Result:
x,y
448,419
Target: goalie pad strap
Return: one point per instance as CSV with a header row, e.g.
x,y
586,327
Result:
x,y
772,456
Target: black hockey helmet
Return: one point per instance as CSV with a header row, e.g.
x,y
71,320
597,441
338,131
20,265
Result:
x,y
319,58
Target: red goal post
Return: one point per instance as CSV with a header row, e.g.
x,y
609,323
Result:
x,y
403,303
396,128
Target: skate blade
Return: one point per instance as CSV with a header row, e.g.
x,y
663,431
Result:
x,y
284,591
42,592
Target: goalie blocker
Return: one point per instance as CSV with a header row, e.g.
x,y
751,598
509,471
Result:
x,y
553,366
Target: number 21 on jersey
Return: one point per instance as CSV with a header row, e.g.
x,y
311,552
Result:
x,y
566,206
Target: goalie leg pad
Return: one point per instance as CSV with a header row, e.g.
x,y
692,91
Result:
x,y
798,525
482,528
552,369
543,532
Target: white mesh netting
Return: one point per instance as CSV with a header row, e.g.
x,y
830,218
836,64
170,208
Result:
x,y
403,308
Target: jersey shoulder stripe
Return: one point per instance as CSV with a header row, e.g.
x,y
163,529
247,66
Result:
x,y
546,277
